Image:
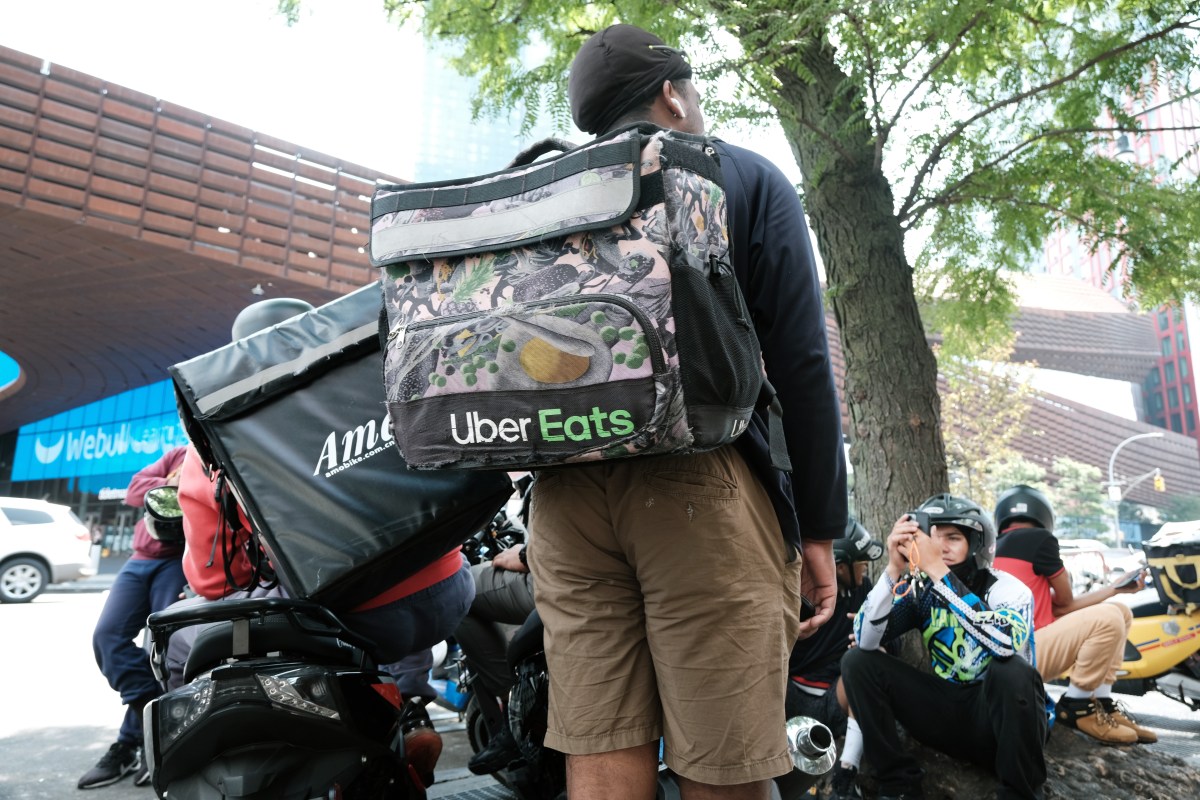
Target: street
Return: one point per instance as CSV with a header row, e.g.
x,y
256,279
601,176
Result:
x,y
58,715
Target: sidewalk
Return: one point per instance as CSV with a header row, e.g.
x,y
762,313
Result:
x,y
100,582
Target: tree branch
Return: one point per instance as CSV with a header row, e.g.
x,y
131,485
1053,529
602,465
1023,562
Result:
x,y
872,86
936,154
937,62
916,212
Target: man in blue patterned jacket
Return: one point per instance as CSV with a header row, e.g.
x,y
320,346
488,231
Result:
x,y
984,702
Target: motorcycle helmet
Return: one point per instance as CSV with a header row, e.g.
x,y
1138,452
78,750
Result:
x,y
856,545
164,517
1024,503
947,509
265,313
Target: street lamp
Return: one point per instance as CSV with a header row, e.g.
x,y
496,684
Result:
x,y
1114,488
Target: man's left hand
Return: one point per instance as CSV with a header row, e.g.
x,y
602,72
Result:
x,y
818,582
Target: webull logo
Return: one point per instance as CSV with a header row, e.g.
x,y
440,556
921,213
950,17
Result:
x,y
344,449
551,425
91,444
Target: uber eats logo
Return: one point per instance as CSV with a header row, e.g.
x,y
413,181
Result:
x,y
551,426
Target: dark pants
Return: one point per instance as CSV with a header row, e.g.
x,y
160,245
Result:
x,y
998,724
501,597
405,629
142,587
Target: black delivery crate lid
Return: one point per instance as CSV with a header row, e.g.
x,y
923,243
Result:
x,y
295,417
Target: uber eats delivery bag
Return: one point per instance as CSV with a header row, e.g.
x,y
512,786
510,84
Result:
x,y
294,416
578,308
1173,555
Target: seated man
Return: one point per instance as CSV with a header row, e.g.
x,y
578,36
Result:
x,y
1084,634
815,686
984,702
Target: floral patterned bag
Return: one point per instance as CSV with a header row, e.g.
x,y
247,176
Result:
x,y
578,308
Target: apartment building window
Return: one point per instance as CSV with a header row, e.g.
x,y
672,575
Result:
x,y
1191,417
1183,367
1187,395
1173,397
1158,402
1166,346
1176,423
1181,341
1169,372
1164,319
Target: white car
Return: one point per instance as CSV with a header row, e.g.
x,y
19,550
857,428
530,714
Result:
x,y
40,543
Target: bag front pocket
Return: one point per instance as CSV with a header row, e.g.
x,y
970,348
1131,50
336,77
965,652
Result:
x,y
562,378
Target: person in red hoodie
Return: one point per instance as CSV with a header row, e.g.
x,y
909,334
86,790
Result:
x,y
405,620
149,581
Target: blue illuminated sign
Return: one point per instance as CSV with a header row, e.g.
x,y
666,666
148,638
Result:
x,y
115,436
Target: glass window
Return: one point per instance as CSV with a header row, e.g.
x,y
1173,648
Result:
x,y
1176,423
1187,395
1166,346
1173,397
1183,367
1164,319
1181,341
27,516
1158,402
1191,421
1169,372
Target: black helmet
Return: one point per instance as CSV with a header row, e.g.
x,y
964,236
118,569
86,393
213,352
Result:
x,y
947,509
856,545
1023,502
265,313
164,517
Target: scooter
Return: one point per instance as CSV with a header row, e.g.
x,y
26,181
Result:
x,y
1162,652
279,700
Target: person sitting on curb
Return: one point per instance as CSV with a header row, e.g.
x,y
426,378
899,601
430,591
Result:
x,y
1083,635
815,686
984,702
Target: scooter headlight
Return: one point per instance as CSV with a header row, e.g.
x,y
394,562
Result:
x,y
178,710
302,689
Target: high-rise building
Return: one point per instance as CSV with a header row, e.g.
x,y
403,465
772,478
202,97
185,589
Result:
x,y
1170,145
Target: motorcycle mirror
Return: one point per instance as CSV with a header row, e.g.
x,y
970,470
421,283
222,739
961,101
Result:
x,y
162,502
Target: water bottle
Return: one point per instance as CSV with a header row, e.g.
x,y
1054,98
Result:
x,y
811,746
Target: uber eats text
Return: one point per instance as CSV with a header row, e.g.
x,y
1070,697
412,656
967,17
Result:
x,y
551,425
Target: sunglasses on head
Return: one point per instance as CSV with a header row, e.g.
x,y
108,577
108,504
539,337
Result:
x,y
669,50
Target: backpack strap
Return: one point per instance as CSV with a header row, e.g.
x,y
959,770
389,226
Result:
x,y
776,440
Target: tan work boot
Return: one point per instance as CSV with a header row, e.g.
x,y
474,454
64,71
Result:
x,y
1117,712
1085,714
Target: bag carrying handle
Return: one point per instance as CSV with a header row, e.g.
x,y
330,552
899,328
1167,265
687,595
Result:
x,y
538,149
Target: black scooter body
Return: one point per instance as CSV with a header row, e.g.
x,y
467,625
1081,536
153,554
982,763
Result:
x,y
281,702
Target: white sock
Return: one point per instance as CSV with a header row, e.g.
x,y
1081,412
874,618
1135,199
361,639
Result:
x,y
1075,693
853,747
1104,690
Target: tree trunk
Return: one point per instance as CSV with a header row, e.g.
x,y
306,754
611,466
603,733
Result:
x,y
896,446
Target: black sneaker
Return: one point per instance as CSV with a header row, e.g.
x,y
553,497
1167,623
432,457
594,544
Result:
x,y
845,784
120,760
498,754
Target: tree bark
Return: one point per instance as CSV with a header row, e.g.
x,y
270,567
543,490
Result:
x,y
896,446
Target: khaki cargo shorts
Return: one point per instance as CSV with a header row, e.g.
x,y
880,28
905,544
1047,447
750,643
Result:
x,y
671,603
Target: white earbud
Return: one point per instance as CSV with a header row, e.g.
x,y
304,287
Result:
x,y
679,107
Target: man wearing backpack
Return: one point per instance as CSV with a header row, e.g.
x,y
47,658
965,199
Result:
x,y
670,586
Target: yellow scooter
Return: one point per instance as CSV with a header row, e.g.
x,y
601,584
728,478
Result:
x,y
1163,649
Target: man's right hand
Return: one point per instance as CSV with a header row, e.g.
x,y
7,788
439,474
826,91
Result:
x,y
898,542
510,559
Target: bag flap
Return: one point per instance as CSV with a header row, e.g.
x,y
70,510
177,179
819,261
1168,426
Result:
x,y
593,186
231,379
